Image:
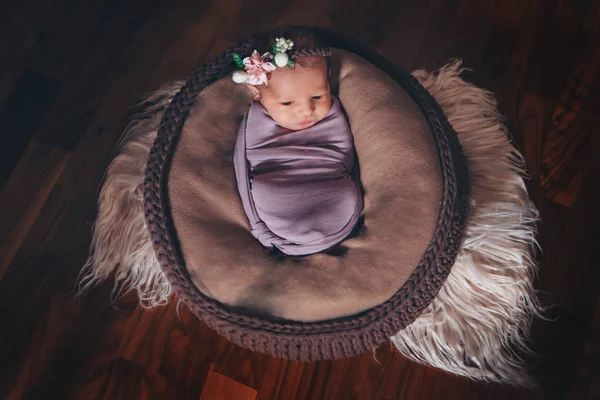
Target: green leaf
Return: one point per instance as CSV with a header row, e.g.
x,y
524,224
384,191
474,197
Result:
x,y
238,60
290,63
274,48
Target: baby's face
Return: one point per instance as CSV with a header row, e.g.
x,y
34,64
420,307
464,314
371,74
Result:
x,y
297,98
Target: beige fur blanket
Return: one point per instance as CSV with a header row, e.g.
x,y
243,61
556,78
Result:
x,y
477,326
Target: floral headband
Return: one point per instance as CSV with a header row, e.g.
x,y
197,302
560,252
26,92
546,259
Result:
x,y
256,67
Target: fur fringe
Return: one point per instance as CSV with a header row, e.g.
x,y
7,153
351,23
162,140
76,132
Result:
x,y
479,323
120,240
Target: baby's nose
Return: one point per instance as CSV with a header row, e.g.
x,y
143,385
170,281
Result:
x,y
308,109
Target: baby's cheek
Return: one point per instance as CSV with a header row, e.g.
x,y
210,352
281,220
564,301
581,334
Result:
x,y
324,110
280,117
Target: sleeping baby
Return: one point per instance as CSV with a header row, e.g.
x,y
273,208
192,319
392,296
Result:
x,y
294,158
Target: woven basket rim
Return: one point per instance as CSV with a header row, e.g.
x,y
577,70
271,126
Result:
x,y
328,339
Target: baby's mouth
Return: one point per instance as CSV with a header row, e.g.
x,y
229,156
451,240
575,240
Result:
x,y
306,122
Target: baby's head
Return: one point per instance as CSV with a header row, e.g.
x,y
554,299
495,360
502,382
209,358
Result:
x,y
300,96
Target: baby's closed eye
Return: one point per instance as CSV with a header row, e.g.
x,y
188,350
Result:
x,y
289,103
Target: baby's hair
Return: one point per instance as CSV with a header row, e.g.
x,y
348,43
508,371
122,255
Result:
x,y
303,38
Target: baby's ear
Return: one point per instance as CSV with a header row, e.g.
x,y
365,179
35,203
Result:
x,y
255,91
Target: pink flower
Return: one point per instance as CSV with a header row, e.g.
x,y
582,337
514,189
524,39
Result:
x,y
257,68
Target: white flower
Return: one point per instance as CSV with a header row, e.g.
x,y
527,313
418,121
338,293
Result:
x,y
282,45
240,77
281,59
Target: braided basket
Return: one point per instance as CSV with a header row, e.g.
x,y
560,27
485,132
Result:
x,y
328,339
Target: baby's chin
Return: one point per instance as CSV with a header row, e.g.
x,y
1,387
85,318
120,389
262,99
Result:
x,y
298,126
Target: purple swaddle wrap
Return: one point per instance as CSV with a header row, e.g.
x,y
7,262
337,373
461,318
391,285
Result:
x,y
300,189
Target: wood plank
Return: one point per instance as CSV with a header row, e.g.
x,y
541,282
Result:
x,y
586,384
342,373
190,48
92,56
557,344
140,353
574,121
219,387
506,61
574,280
411,380
416,31
240,364
371,21
60,346
275,374
98,353
20,31
467,37
567,283
61,234
63,230
108,54
22,114
128,381
532,117
146,337
188,356
559,41
24,195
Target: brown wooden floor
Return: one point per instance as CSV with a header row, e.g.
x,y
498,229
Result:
x,y
71,69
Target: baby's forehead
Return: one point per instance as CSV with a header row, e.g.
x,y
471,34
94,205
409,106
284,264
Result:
x,y
298,81
297,85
